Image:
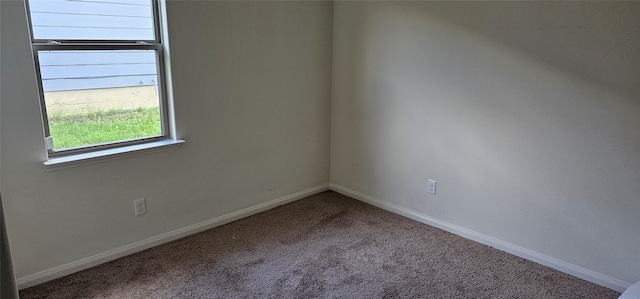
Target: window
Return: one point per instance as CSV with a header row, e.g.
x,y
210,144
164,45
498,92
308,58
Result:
x,y
100,72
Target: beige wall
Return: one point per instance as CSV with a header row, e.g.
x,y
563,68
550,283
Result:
x,y
526,113
251,84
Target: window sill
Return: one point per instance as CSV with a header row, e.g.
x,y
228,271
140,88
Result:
x,y
110,154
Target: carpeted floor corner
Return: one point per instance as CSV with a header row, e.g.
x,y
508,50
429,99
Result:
x,y
324,246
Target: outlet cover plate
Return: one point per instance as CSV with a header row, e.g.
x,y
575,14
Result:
x,y
431,187
139,206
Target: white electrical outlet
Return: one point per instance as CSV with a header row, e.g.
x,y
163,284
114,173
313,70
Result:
x,y
431,187
139,206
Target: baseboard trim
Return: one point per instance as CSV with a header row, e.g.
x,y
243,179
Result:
x,y
577,271
85,263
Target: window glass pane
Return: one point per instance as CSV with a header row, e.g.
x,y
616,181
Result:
x,y
95,97
92,20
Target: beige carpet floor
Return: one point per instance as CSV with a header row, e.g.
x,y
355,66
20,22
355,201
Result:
x,y
324,246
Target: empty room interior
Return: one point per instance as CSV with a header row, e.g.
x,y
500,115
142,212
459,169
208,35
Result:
x,y
526,114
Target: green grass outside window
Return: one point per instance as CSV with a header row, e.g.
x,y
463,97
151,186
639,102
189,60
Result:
x,y
97,127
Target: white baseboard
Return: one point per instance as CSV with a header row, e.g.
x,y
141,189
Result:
x,y
562,266
85,263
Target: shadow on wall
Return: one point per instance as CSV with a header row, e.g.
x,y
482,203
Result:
x,y
572,44
549,53
588,40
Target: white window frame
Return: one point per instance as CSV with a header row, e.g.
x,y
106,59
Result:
x,y
86,154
